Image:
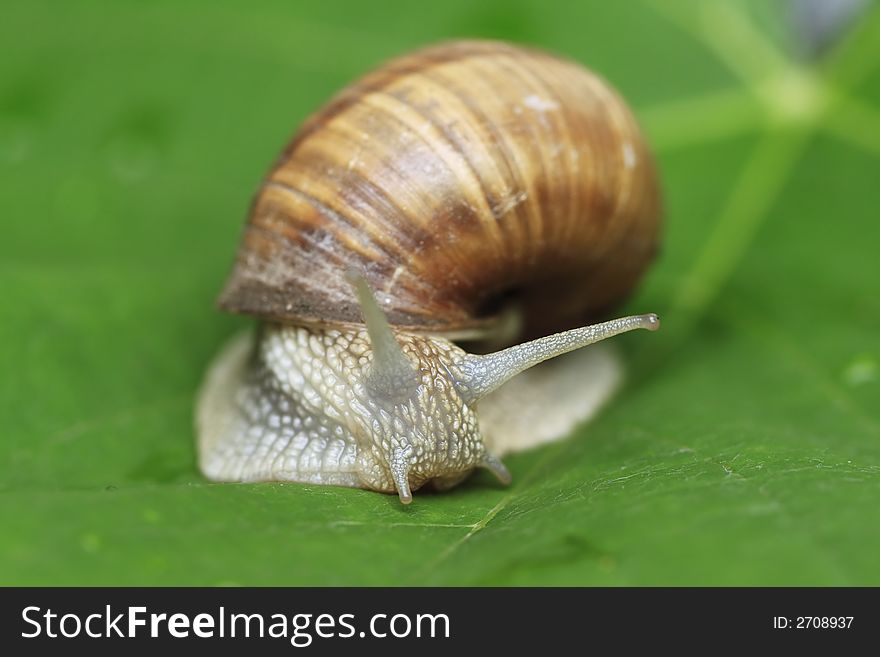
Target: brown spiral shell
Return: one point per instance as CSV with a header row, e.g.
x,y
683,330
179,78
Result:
x,y
455,179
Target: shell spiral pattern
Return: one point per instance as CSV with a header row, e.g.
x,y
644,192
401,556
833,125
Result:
x,y
455,179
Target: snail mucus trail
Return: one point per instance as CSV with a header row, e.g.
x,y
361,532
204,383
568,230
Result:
x,y
390,189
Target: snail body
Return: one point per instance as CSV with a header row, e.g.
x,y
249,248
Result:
x,y
425,202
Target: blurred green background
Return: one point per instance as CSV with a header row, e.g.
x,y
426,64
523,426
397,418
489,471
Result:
x,y
745,448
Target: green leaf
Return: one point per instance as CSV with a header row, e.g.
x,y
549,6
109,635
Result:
x,y
745,448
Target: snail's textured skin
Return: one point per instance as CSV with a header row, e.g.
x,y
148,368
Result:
x,y
306,413
370,407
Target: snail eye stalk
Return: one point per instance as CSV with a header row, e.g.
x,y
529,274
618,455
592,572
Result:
x,y
392,376
483,374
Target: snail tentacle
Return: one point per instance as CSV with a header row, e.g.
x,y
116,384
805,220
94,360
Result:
x,y
494,465
399,466
392,376
480,375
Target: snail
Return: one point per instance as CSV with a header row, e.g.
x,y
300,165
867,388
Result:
x,y
472,190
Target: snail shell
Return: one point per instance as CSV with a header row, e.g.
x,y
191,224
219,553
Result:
x,y
456,179
423,202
